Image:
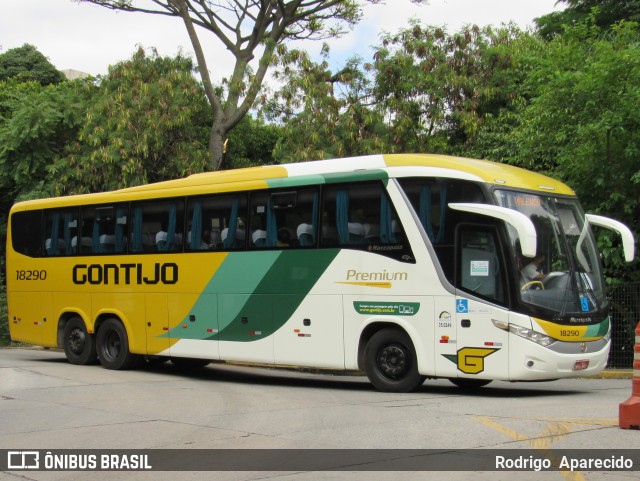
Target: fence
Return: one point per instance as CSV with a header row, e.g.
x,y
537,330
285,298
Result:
x,y
624,303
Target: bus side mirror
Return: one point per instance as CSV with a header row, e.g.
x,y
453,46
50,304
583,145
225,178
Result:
x,y
628,242
523,225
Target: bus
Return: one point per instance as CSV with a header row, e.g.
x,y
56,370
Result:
x,y
405,267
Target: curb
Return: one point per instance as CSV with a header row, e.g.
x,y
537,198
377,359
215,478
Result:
x,y
613,374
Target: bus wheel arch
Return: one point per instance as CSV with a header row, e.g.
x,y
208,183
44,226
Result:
x,y
78,344
389,358
112,344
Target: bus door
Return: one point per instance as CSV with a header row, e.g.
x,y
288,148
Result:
x,y
482,347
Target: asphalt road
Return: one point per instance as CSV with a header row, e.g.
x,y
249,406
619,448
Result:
x,y
48,404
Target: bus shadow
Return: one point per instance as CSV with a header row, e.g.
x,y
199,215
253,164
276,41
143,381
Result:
x,y
263,375
303,378
309,378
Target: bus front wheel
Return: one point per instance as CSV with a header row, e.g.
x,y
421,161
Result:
x,y
113,346
390,362
79,345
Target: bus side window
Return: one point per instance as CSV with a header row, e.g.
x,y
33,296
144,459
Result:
x,y
361,216
60,229
479,267
284,218
26,233
103,230
216,222
301,221
233,221
157,226
262,222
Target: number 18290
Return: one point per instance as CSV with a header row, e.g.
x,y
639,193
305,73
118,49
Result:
x,y
31,275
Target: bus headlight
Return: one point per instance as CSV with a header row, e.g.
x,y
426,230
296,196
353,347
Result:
x,y
531,335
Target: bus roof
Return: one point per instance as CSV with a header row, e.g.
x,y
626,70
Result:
x,y
334,170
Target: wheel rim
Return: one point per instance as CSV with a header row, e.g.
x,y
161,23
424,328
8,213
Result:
x,y
112,345
76,341
393,361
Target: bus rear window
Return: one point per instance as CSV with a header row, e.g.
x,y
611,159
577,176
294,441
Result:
x,y
26,232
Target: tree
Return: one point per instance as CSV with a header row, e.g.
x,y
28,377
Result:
x,y
605,13
147,122
247,29
425,91
337,105
26,64
251,143
581,123
436,88
36,125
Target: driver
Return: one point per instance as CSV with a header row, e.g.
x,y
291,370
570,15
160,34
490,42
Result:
x,y
532,271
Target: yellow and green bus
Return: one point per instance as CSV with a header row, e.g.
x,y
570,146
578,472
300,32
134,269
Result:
x,y
406,267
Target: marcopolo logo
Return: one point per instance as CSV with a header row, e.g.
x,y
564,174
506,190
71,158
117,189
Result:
x,y
166,273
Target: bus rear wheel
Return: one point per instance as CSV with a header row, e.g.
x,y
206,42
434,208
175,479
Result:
x,y
390,362
79,345
113,346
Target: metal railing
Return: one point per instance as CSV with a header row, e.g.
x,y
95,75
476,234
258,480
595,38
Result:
x,y
624,302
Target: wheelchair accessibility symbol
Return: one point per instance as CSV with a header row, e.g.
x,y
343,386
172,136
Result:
x,y
462,306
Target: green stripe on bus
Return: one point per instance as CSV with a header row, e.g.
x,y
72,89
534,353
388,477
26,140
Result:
x,y
253,294
598,330
296,181
356,176
316,179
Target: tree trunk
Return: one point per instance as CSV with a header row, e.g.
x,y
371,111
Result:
x,y
217,138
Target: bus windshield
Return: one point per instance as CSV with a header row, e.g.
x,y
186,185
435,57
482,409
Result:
x,y
565,275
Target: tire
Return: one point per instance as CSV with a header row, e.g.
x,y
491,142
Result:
x,y
113,346
390,362
79,345
469,384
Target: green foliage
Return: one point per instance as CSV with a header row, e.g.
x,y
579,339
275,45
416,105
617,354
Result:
x,y
147,122
26,64
603,13
425,91
581,123
336,105
37,125
251,143
4,319
436,88
251,32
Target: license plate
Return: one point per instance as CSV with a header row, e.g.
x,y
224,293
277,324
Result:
x,y
580,365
